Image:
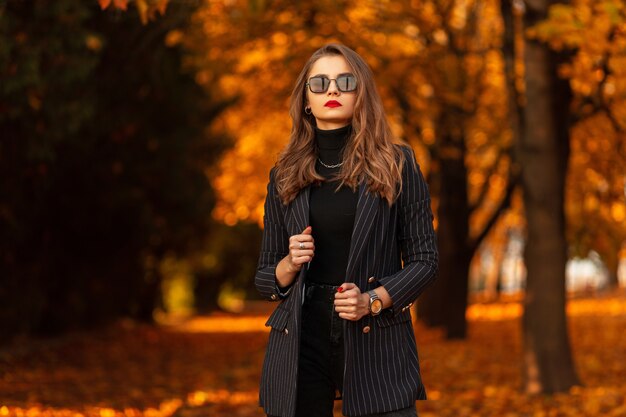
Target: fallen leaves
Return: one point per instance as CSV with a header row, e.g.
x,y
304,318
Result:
x,y
210,366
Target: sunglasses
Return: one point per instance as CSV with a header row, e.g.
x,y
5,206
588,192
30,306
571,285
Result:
x,y
345,83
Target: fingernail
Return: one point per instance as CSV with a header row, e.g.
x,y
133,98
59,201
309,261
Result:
x,y
340,289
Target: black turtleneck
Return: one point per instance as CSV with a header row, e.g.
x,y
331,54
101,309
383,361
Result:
x,y
331,213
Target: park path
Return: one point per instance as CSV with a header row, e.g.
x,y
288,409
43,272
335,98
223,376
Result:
x,y
209,366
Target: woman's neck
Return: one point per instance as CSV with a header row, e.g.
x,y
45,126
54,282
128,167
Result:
x,y
328,139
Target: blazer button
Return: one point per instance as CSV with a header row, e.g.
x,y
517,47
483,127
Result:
x,y
366,329
274,296
286,331
371,279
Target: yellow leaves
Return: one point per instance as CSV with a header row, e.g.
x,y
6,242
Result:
x,y
411,30
146,8
363,15
261,53
251,59
118,4
93,43
564,26
107,412
211,365
458,17
142,8
280,39
600,307
380,39
498,311
403,48
223,396
240,323
440,36
244,170
618,211
173,37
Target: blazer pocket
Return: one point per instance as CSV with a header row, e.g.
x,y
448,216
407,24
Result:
x,y
278,319
387,319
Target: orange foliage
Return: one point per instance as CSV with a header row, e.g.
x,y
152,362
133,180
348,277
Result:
x,y
413,49
146,8
440,70
595,33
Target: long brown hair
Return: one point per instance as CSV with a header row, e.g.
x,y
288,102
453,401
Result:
x,y
369,155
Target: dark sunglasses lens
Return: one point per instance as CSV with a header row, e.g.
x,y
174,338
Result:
x,y
346,83
319,84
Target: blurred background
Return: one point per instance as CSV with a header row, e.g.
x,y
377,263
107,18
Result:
x,y
136,139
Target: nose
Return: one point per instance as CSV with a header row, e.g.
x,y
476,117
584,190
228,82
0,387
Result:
x,y
332,88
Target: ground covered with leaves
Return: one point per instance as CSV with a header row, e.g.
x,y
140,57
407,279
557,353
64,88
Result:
x,y
210,366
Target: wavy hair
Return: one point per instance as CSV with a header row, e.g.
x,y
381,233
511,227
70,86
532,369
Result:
x,y
369,155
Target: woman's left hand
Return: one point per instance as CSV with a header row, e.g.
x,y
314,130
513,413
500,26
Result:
x,y
351,303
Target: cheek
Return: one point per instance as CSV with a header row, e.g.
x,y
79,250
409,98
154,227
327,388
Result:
x,y
351,105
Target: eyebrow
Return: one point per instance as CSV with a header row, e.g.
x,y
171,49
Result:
x,y
326,75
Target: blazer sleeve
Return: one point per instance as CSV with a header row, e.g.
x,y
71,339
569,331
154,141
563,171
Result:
x,y
416,238
274,245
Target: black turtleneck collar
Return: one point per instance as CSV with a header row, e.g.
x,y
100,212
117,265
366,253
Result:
x,y
333,138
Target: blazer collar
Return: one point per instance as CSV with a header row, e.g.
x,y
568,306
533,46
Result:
x,y
366,210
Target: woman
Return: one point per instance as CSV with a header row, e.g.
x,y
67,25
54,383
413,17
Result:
x,y
348,246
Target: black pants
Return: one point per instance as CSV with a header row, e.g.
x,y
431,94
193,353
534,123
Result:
x,y
321,364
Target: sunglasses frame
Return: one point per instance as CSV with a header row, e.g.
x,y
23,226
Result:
x,y
308,83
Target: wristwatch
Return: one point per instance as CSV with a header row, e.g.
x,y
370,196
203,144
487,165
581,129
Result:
x,y
376,304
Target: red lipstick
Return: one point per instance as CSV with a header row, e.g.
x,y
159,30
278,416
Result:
x,y
332,104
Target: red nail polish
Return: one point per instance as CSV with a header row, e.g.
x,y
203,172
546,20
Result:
x,y
340,289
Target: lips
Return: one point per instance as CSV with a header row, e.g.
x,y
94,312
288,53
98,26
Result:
x,y
332,104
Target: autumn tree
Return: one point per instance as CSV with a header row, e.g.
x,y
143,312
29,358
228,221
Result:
x,y
544,154
595,197
472,171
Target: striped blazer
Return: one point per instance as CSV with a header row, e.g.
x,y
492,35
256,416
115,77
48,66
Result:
x,y
394,246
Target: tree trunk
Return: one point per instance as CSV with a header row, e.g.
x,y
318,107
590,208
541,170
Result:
x,y
544,153
446,301
611,260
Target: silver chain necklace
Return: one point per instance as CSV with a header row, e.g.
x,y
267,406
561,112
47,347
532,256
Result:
x,y
330,166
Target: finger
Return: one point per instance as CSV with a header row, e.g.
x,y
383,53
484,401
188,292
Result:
x,y
347,290
299,260
302,245
307,231
348,316
345,301
298,252
296,239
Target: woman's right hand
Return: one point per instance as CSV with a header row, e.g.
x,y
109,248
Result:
x,y
301,250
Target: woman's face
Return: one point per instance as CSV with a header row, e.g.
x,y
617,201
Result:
x,y
332,109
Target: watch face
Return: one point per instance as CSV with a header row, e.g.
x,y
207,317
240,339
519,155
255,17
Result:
x,y
377,306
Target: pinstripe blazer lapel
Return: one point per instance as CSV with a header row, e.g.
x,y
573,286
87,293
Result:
x,y
366,210
298,212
